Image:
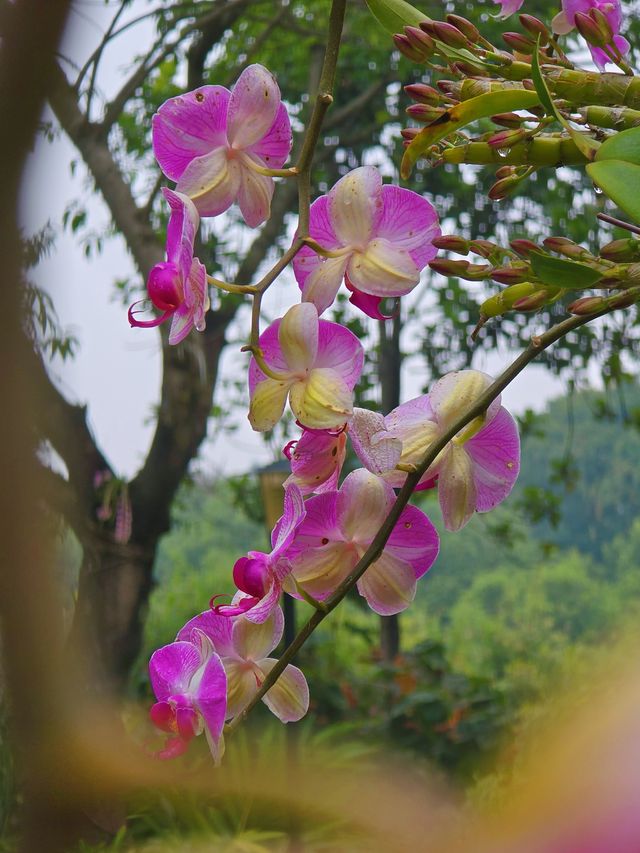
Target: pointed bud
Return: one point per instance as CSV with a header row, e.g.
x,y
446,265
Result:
x,y
503,188
451,88
423,94
405,47
409,133
624,299
621,251
465,27
510,275
420,41
507,138
501,302
476,272
484,248
587,305
465,69
536,28
565,246
505,171
427,27
450,35
452,243
446,266
518,42
524,247
594,29
511,120
533,302
424,112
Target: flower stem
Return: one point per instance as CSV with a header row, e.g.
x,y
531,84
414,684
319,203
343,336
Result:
x,y
230,288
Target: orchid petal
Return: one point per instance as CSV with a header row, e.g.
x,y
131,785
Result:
x,y
252,574
263,608
388,585
456,488
253,641
362,505
288,699
270,345
211,181
341,350
323,401
495,455
369,305
298,336
267,404
322,284
355,205
254,194
211,696
216,628
317,461
253,106
456,392
373,447
189,126
409,222
163,716
274,147
292,516
319,526
191,312
320,570
242,685
181,230
414,540
383,270
171,668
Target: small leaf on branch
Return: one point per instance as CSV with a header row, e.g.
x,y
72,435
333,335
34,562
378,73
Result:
x,y
393,15
620,180
559,272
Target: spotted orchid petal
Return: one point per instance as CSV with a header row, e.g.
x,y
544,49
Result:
x,y
355,204
293,515
253,107
320,570
340,350
255,192
182,228
414,540
495,456
388,585
362,505
374,446
456,488
267,403
172,667
298,337
320,226
216,628
288,699
274,147
211,697
191,313
316,460
409,223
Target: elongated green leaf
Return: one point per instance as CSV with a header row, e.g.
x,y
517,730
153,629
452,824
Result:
x,y
623,146
463,114
393,15
562,273
620,181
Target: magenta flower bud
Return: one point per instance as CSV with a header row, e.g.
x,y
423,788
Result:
x,y
524,247
536,28
507,138
565,246
428,27
409,133
451,88
510,120
621,251
587,305
533,302
505,171
465,26
510,275
423,94
420,41
446,266
594,28
467,70
504,187
484,248
164,286
424,112
406,48
452,243
518,42
450,35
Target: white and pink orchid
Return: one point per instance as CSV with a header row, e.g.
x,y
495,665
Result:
x,y
190,685
178,286
339,528
316,460
565,21
378,239
475,471
243,647
508,7
215,143
259,576
313,362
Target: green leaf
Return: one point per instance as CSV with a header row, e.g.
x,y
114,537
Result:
x,y
620,180
463,114
394,15
623,146
562,273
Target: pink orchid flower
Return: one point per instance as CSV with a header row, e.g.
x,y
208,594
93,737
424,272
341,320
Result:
x,y
477,469
316,460
339,528
314,363
379,238
178,286
508,7
214,143
565,21
190,685
259,576
243,647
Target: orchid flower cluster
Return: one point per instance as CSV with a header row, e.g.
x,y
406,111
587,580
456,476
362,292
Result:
x,y
224,147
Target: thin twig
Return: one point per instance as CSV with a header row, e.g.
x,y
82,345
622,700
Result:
x,y
619,223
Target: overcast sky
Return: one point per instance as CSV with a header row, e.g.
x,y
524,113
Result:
x,y
117,369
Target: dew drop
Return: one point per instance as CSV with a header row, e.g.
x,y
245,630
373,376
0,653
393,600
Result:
x,y
597,190
502,152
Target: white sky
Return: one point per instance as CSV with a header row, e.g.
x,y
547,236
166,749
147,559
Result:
x,y
117,369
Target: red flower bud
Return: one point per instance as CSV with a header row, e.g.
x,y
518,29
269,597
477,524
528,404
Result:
x,y
503,187
524,247
465,27
621,251
452,243
409,133
420,41
535,27
484,248
565,246
407,49
587,305
518,42
533,302
450,35
446,266
423,94
594,28
451,88
512,120
510,275
507,138
424,112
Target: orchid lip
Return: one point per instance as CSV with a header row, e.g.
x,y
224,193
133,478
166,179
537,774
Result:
x,y
146,324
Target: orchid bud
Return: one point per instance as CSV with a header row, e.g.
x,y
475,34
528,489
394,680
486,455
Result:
x,y
587,305
451,88
565,246
446,266
503,187
423,94
406,48
620,251
465,69
524,247
501,302
533,302
452,243
512,120
164,286
594,28
450,35
535,27
465,27
475,272
424,112
510,275
427,27
484,248
420,41
518,42
507,138
505,171
623,300
409,133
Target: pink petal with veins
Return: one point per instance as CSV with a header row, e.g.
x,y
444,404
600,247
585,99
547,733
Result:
x,y
495,456
288,699
171,668
409,222
355,205
274,147
253,107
